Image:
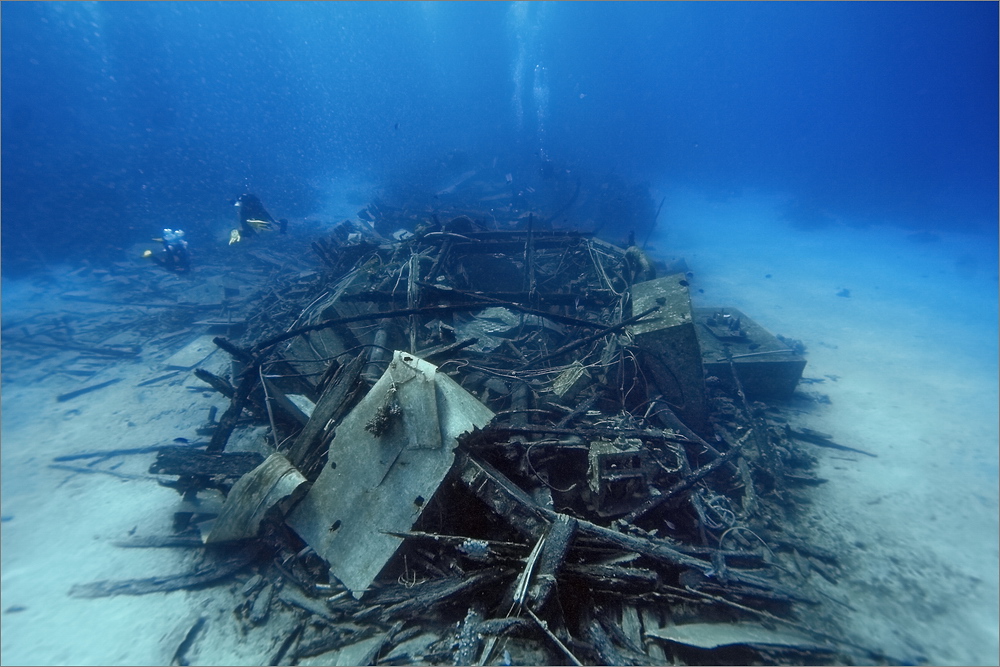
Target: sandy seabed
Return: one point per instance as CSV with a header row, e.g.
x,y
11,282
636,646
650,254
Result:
x,y
901,333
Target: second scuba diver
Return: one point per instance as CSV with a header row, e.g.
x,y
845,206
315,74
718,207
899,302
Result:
x,y
174,256
254,218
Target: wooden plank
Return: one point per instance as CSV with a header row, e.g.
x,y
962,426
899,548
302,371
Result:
x,y
329,405
501,495
186,461
558,539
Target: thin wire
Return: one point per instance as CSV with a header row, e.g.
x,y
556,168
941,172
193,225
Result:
x,y
601,273
527,456
267,404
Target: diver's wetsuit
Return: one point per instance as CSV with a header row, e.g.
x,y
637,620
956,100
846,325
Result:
x,y
251,208
174,256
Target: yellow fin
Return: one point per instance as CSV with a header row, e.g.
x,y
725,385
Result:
x,y
259,225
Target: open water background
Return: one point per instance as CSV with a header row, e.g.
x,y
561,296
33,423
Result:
x,y
801,149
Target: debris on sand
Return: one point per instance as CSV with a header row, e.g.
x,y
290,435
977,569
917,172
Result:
x,y
496,443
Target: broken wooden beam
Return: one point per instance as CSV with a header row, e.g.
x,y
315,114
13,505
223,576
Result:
x,y
232,414
185,461
511,502
219,384
498,433
616,578
330,406
558,539
234,351
430,311
405,600
500,494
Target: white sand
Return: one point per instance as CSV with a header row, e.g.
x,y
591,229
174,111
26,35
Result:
x,y
58,525
914,351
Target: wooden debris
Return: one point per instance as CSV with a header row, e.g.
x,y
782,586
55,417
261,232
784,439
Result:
x,y
556,544
564,477
190,461
221,385
331,405
206,573
190,632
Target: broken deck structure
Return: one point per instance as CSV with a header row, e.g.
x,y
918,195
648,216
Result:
x,y
499,440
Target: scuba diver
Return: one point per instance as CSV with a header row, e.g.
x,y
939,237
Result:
x,y
174,256
254,218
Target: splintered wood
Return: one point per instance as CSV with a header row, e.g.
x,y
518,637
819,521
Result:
x,y
500,442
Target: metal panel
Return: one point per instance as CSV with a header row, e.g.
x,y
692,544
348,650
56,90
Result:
x,y
388,458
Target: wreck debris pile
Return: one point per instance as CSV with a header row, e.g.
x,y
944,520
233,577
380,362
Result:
x,y
467,445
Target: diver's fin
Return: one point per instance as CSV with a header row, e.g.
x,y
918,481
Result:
x,y
258,224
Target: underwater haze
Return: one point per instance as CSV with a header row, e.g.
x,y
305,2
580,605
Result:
x,y
828,168
122,117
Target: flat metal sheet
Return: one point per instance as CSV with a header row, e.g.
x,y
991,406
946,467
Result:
x,y
376,484
252,496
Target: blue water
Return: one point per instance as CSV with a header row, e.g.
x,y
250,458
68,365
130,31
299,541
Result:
x,y
119,115
800,149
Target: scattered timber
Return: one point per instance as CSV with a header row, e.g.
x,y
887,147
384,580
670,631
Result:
x,y
592,485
